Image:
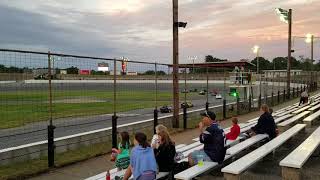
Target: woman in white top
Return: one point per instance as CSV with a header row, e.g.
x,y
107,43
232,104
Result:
x,y
155,142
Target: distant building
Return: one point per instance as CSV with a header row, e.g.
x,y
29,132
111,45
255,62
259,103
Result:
x,y
132,73
281,73
104,67
84,72
42,72
117,72
63,71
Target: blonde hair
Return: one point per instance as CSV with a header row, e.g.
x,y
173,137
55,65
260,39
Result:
x,y
265,108
161,128
165,138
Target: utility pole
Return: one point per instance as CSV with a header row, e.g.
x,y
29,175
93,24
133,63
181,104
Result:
x,y
175,120
312,40
289,51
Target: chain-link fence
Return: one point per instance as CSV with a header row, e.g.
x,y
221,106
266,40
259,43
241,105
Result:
x,y
60,108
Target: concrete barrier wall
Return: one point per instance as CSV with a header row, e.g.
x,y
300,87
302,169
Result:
x,y
73,142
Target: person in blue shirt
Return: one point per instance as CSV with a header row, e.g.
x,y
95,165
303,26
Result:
x,y
212,137
143,164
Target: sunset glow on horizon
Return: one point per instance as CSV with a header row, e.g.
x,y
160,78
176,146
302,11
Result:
x,y
143,29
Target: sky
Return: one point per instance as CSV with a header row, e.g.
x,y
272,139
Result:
x,y
142,29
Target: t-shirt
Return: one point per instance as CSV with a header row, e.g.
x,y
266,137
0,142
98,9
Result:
x,y
234,132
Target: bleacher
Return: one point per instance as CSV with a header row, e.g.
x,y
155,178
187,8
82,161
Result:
x,y
244,153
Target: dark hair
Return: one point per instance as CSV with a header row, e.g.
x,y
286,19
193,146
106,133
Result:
x,y
235,120
125,140
141,138
270,110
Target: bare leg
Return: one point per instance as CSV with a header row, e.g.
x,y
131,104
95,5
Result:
x,y
190,160
128,173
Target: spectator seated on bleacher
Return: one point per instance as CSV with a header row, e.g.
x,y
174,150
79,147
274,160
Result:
x,y
212,136
234,131
121,155
266,124
142,161
165,153
304,97
155,142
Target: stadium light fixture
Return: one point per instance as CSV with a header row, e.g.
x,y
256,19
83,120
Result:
x,y
308,38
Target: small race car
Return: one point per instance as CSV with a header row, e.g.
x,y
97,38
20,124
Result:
x,y
202,92
166,109
187,105
218,96
185,91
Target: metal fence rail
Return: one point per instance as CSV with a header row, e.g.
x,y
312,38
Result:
x,y
46,96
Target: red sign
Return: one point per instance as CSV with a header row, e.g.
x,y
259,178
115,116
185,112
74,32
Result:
x,y
84,72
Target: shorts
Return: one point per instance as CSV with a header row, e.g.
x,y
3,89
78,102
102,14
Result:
x,y
195,153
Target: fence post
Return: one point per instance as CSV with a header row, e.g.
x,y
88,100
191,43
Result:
x,y
114,117
155,112
250,103
293,93
259,101
266,99
51,146
207,93
278,97
155,120
272,102
238,105
284,95
185,100
224,108
185,117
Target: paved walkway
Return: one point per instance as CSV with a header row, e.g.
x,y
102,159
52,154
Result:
x,y
100,164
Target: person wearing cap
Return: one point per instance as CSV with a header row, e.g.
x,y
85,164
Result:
x,y
212,136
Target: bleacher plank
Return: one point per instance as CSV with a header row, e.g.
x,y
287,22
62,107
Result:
x,y
232,151
286,112
283,126
314,108
292,164
298,157
301,109
190,146
180,146
237,167
282,118
195,170
309,120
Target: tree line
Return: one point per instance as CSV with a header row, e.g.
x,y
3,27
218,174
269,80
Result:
x,y
278,63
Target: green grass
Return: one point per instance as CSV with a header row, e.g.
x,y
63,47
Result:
x,y
32,167
19,108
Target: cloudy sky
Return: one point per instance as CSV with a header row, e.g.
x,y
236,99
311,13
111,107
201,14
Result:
x,y
141,29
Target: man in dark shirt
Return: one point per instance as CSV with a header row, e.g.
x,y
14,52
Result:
x,y
212,136
266,124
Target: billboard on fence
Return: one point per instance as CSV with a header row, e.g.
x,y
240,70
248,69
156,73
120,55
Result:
x,y
104,67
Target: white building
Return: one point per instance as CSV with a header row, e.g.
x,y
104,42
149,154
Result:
x,y
281,73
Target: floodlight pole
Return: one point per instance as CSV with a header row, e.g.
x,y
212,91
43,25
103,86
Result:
x,y
312,40
289,51
175,73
